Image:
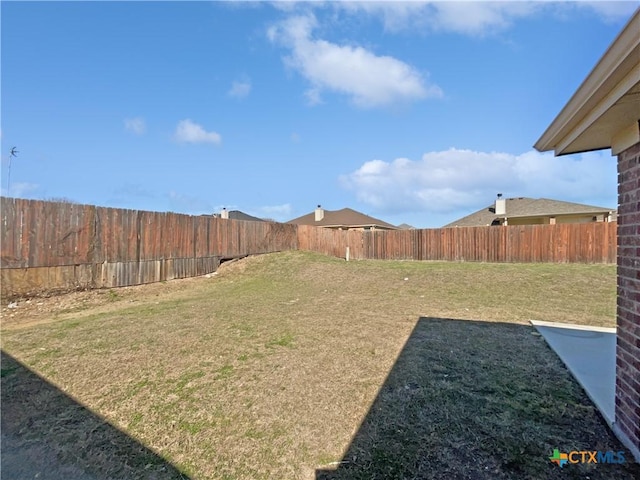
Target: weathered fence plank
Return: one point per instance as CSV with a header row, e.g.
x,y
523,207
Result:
x,y
47,245
585,243
56,246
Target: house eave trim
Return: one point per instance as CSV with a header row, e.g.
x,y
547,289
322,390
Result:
x,y
611,70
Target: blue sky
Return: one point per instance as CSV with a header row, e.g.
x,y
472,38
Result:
x,y
413,112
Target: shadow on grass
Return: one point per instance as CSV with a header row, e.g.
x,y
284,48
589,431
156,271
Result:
x,y
477,400
46,434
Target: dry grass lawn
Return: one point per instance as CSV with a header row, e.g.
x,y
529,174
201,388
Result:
x,y
295,365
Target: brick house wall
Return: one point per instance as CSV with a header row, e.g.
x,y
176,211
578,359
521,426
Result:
x,y
627,400
602,114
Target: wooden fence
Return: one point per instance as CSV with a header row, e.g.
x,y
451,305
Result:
x,y
49,246
560,243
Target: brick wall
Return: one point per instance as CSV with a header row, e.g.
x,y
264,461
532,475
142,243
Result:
x,y
628,348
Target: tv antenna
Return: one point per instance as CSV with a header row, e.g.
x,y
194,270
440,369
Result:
x,y
12,153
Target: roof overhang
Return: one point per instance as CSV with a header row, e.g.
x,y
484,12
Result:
x,y
367,225
605,110
556,215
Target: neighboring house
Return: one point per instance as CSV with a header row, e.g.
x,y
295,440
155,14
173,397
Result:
x,y
533,211
406,226
604,113
237,215
345,219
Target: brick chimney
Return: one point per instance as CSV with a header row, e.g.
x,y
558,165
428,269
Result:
x,y
319,213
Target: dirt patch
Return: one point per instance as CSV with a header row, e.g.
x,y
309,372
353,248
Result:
x,y
29,311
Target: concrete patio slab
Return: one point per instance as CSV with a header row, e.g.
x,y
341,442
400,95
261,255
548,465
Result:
x,y
590,355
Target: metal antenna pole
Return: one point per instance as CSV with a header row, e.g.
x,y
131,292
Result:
x,y
12,153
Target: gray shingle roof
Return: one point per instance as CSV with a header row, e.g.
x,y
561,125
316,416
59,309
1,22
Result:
x,y
238,215
406,226
527,207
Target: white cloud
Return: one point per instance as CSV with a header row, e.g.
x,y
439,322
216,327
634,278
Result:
x,y
179,202
455,179
470,18
369,80
133,195
477,18
240,88
20,190
277,212
291,5
190,132
133,190
610,10
135,125
313,96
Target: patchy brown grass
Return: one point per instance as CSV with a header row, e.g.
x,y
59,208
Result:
x,y
268,369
